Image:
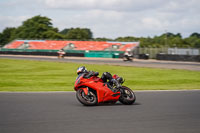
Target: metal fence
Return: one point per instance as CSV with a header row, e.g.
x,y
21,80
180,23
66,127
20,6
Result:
x,y
152,52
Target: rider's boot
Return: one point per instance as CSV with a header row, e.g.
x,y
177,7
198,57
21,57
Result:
x,y
115,83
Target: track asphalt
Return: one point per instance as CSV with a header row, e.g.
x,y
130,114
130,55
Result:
x,y
194,66
60,112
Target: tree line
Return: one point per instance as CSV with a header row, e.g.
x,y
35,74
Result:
x,y
41,27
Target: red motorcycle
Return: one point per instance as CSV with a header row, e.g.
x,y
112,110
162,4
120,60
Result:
x,y
92,91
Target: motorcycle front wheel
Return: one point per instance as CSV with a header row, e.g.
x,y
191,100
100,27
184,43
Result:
x,y
88,100
127,96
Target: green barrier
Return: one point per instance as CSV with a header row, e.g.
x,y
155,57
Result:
x,y
116,55
98,54
74,51
29,50
103,54
93,54
41,50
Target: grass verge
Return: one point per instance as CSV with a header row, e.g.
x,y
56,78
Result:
x,y
25,75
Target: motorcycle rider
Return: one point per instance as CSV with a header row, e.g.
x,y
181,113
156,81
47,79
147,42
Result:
x,y
128,55
105,76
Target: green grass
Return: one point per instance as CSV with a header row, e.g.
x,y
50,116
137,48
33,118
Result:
x,y
25,75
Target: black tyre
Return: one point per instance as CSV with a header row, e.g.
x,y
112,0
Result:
x,y
128,97
88,100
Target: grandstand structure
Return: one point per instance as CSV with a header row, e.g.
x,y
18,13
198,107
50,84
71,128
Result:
x,y
105,49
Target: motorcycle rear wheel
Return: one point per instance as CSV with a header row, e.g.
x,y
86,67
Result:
x,y
88,100
128,97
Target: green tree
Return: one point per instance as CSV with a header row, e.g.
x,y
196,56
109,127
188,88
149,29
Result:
x,y
38,27
64,32
79,34
176,42
52,35
192,41
1,39
7,35
195,34
197,44
127,39
102,39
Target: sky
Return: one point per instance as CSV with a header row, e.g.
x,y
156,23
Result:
x,y
108,18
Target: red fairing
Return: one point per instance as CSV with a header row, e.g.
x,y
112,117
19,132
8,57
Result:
x,y
104,93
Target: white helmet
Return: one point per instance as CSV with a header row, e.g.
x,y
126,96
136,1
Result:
x,y
81,69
